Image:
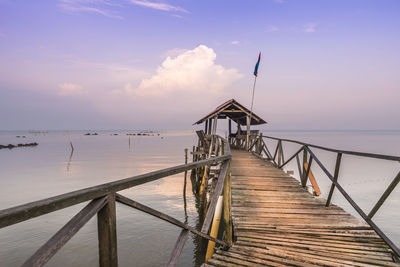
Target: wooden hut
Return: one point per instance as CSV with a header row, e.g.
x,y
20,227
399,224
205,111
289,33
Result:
x,y
236,112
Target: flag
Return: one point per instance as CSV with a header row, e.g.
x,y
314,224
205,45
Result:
x,y
258,63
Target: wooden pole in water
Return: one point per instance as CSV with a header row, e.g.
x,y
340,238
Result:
x,y
184,185
184,182
214,130
70,142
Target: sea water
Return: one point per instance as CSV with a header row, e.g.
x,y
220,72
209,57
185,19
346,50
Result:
x,y
34,173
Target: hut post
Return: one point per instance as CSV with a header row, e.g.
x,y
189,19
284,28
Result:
x,y
210,126
248,133
206,127
230,129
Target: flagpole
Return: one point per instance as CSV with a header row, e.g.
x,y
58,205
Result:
x,y
251,114
252,98
252,102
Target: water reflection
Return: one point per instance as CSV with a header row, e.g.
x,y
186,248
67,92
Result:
x,y
29,175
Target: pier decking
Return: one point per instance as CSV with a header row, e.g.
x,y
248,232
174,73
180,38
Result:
x,y
278,223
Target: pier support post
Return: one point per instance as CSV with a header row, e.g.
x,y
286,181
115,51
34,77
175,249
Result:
x,y
107,234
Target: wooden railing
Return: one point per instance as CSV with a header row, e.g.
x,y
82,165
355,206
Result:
x,y
259,146
102,202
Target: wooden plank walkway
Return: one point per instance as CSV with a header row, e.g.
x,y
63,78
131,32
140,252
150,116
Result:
x,y
278,223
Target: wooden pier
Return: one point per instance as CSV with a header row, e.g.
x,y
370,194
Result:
x,y
278,223
254,214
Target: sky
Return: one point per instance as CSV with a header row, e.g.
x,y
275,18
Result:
x,y
138,64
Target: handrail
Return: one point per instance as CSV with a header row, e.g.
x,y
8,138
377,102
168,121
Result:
x,y
103,198
37,208
355,153
278,160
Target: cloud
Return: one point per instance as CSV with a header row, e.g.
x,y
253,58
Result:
x,y
70,89
158,6
100,7
193,71
235,42
272,28
310,27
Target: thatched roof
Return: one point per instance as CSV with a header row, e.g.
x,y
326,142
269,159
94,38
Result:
x,y
235,111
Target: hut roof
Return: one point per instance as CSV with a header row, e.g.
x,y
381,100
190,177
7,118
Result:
x,y
235,111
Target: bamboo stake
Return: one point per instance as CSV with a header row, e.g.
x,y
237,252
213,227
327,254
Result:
x,y
214,228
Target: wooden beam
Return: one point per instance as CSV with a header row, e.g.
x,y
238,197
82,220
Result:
x,y
312,179
107,233
45,252
385,195
213,203
335,177
165,217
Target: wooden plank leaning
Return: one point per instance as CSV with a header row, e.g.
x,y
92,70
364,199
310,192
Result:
x,y
131,203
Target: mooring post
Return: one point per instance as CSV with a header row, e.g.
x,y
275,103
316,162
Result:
x,y
107,233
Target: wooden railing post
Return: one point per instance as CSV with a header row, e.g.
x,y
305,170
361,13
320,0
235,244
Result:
x,y
335,177
227,209
279,153
259,145
303,176
107,234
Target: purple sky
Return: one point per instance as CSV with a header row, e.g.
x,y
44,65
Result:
x,y
136,64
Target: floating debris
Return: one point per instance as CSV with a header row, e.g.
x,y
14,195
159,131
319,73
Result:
x,y
11,146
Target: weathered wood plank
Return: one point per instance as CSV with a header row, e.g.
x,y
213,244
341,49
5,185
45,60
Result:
x,y
278,223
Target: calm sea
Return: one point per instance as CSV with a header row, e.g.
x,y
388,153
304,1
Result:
x,y
33,173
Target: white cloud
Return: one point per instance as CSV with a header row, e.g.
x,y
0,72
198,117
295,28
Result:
x,y
272,28
70,89
310,27
235,42
158,6
193,71
100,7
